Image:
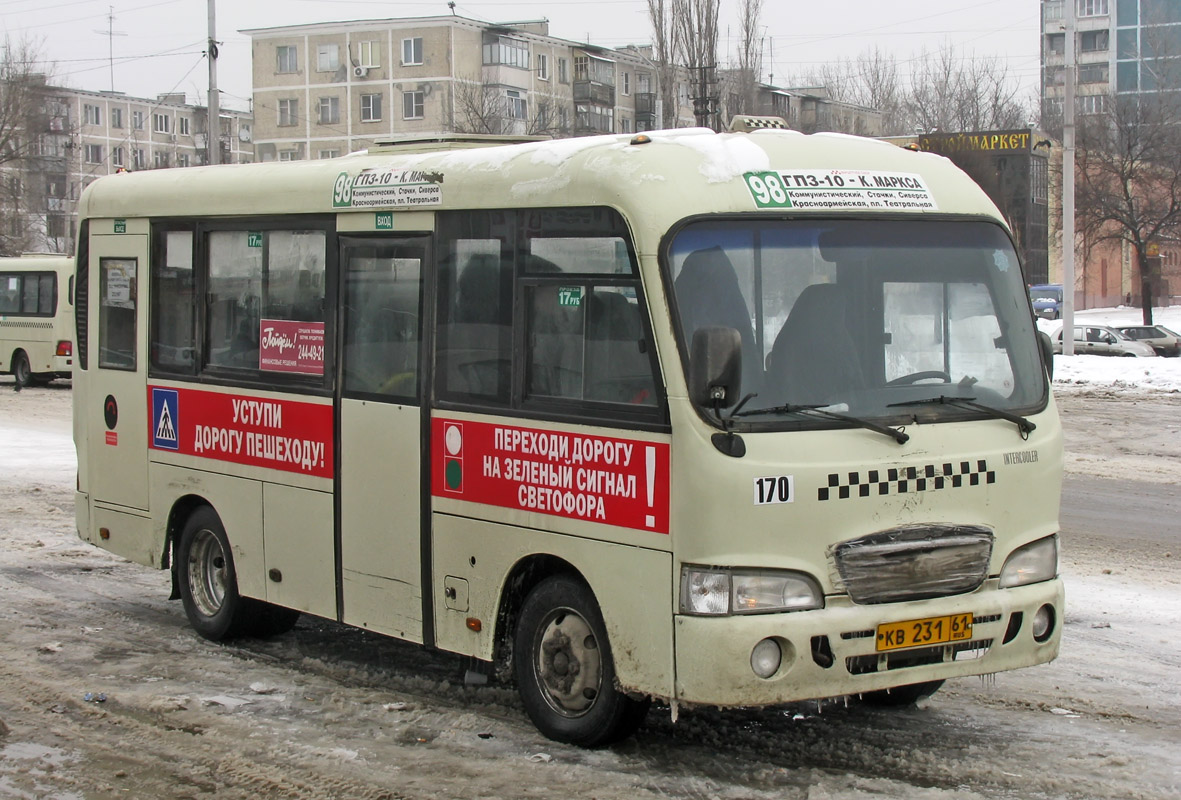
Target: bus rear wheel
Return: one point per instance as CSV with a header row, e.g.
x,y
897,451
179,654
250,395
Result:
x,y
564,670
20,369
208,583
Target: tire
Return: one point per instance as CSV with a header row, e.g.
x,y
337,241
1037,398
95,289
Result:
x,y
901,696
564,670
20,369
208,582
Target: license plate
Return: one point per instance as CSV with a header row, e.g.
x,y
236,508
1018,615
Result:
x,y
920,632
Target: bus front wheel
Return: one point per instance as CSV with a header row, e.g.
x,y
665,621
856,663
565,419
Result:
x,y
208,583
564,670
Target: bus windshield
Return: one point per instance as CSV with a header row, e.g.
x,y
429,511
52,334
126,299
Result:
x,y
865,317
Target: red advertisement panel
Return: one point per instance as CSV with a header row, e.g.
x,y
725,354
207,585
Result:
x,y
279,434
291,346
603,479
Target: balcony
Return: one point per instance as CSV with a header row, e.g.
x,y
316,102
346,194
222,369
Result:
x,y
594,92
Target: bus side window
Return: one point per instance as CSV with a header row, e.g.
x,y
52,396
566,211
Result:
x,y
475,330
174,304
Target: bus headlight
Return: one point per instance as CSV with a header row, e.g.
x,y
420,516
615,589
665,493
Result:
x,y
720,592
1033,563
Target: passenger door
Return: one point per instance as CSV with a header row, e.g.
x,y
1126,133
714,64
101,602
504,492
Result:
x,y
380,424
116,402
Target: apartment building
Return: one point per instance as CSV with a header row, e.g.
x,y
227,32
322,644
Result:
x,y
327,89
82,135
1123,48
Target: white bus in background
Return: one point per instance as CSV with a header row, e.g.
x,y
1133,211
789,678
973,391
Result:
x,y
36,318
725,419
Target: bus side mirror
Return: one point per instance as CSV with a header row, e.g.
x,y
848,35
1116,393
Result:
x,y
715,367
1043,340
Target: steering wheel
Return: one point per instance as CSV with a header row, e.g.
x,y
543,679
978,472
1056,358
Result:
x,y
915,377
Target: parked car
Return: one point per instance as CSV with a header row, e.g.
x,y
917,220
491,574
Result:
x,y
1099,340
1158,337
1047,300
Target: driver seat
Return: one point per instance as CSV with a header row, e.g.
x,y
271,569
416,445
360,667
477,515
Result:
x,y
814,360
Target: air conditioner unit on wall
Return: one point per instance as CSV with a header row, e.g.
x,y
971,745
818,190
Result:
x,y
360,72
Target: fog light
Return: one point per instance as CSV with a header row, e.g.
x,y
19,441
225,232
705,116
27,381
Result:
x,y
766,658
1043,623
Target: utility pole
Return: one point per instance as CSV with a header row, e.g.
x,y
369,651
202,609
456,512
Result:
x,y
1068,185
213,134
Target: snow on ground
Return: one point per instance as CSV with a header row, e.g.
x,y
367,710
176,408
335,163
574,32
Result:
x,y
1083,372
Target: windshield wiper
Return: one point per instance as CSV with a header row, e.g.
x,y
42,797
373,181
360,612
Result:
x,y
790,408
1024,425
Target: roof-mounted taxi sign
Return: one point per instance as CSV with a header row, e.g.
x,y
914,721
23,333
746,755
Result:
x,y
745,123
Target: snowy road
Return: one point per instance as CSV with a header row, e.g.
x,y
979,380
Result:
x,y
328,712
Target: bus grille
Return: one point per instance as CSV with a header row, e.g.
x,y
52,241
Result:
x,y
914,562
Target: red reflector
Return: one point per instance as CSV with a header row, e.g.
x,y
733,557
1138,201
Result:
x,y
474,624
65,348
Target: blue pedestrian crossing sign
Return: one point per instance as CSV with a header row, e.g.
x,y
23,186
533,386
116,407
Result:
x,y
165,419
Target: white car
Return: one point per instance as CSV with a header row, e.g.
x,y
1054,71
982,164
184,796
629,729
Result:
x,y
1099,340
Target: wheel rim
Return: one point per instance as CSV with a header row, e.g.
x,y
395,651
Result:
x,y
208,573
568,663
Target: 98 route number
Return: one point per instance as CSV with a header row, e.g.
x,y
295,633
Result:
x,y
774,489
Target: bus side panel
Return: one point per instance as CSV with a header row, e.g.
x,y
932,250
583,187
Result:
x,y
474,558
125,534
299,549
237,501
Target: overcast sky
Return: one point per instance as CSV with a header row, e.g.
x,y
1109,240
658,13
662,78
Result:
x,y
159,44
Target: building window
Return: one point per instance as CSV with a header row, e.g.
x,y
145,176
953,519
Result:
x,y
1092,73
412,105
329,110
161,123
625,125
369,54
1090,104
563,70
92,114
117,157
1094,41
139,161
116,118
412,51
288,155
505,51
329,154
627,83
371,108
288,112
137,120
327,57
1056,43
94,154
517,106
161,160
183,160
288,60
542,67
1092,8
182,125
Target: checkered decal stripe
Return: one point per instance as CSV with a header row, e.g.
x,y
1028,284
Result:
x,y
906,480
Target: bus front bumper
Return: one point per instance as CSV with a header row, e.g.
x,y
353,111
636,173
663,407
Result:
x,y
833,651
